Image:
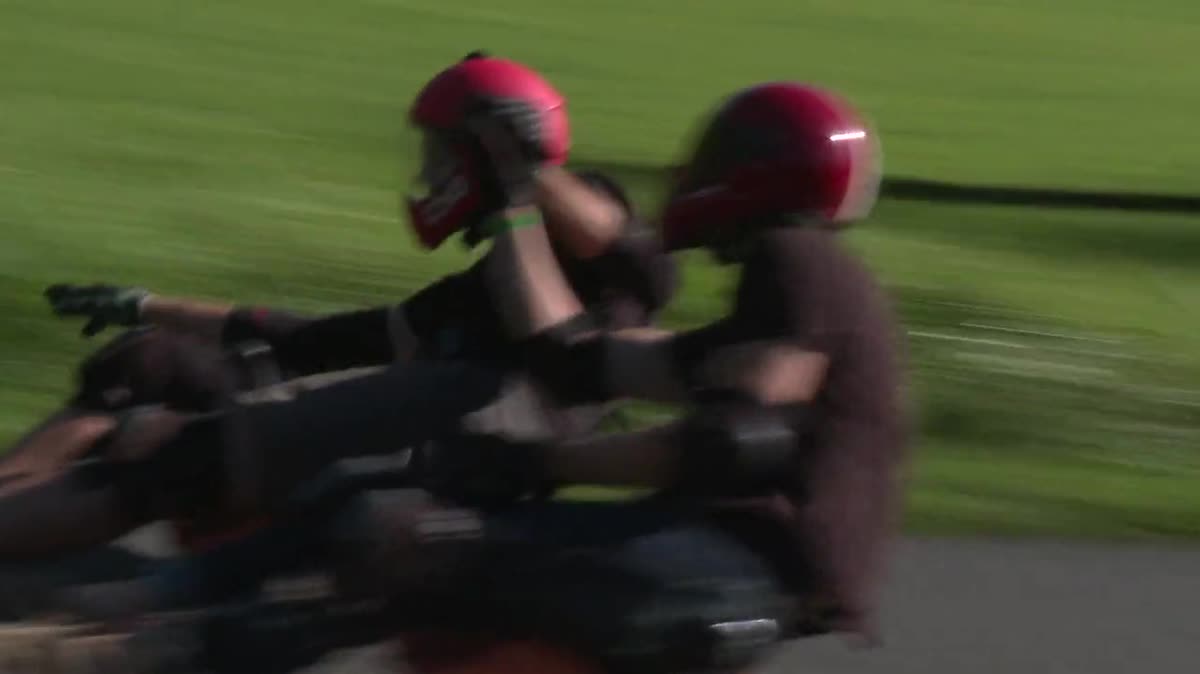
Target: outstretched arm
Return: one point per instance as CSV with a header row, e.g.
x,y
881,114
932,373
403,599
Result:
x,y
198,318
103,305
303,345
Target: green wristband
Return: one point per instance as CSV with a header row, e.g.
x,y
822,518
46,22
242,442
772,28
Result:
x,y
507,221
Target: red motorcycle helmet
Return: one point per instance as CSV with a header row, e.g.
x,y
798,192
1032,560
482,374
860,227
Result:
x,y
769,150
456,198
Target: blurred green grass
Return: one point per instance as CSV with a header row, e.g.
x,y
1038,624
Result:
x,y
256,150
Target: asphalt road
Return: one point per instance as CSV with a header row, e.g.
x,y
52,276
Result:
x,y
1031,607
991,607
976,607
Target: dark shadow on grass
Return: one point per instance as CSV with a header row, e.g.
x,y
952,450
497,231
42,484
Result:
x,y
645,177
1052,223
914,189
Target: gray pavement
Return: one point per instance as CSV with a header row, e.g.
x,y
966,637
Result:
x,y
1007,607
976,607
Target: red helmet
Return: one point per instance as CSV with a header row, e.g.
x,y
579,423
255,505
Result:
x,y
772,149
456,198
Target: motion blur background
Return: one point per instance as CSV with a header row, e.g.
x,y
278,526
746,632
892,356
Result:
x,y
254,149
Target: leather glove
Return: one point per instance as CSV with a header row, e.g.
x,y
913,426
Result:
x,y
101,304
508,134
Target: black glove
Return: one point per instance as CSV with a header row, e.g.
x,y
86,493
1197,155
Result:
x,y
508,134
102,304
485,471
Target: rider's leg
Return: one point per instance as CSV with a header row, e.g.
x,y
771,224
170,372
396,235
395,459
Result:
x,y
386,550
251,457
345,515
65,508
205,465
32,588
228,571
45,508
272,447
401,560
232,569
63,437
393,541
58,516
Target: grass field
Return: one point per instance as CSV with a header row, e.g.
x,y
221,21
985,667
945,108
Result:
x,y
255,149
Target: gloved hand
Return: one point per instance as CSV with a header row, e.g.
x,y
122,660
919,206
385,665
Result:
x,y
102,304
509,135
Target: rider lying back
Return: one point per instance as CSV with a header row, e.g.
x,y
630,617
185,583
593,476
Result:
x,y
611,262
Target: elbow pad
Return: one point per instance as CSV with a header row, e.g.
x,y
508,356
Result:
x,y
735,447
570,361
